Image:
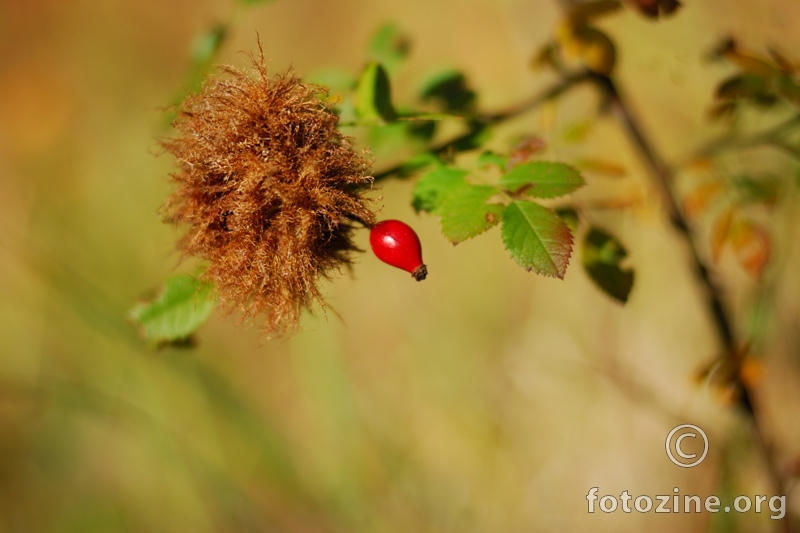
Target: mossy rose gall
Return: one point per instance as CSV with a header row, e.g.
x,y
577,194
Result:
x,y
268,189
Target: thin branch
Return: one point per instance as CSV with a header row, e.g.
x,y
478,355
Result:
x,y
771,137
488,119
663,176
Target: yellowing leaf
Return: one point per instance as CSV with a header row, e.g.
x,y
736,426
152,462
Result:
x,y
525,150
751,244
719,233
696,201
607,168
590,45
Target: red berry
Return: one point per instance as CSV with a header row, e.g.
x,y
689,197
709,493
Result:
x,y
395,243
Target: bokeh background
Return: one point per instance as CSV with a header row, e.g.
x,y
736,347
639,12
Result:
x,y
484,399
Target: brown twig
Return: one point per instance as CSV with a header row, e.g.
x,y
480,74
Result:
x,y
488,119
773,137
663,177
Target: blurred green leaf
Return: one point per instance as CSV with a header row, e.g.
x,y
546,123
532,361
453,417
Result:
x,y
741,86
207,44
373,95
334,79
537,238
449,89
765,189
601,257
389,46
418,117
570,216
479,134
789,90
435,186
254,2
387,139
542,179
489,158
419,161
466,214
183,305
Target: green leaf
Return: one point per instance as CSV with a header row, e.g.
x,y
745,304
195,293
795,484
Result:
x,y
478,135
537,238
434,117
789,90
419,161
334,79
206,45
387,139
489,158
766,189
570,216
466,214
389,46
373,95
450,90
183,305
741,86
435,186
254,2
542,179
601,257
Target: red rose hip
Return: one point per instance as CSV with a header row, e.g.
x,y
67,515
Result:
x,y
395,243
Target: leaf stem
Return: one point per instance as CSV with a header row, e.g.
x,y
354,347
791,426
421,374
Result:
x,y
488,119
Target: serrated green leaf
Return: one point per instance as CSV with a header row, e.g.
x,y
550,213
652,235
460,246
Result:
x,y
373,95
542,179
489,158
466,214
601,256
450,90
537,238
389,46
183,305
435,186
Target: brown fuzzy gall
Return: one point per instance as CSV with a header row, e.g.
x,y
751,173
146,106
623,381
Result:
x,y
269,190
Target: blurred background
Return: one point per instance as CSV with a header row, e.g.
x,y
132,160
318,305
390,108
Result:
x,y
484,399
